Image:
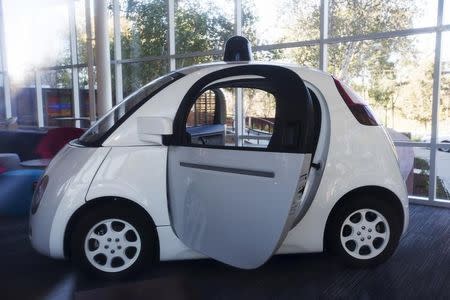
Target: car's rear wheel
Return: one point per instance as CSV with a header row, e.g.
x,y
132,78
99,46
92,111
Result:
x,y
113,242
364,231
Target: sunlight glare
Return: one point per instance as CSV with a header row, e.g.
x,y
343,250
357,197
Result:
x,y
36,34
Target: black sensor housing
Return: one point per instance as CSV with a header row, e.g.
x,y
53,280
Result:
x,y
238,48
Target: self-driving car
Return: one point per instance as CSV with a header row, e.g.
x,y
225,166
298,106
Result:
x,y
236,161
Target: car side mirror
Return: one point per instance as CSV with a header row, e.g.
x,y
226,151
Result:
x,y
152,129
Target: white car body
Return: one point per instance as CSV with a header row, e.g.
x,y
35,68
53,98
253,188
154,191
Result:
x,y
131,166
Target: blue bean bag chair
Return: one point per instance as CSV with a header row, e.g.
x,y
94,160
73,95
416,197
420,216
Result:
x,y
16,191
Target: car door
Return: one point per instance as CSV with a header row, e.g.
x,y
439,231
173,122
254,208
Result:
x,y
235,202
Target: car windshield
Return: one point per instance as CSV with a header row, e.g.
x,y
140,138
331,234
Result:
x,y
95,135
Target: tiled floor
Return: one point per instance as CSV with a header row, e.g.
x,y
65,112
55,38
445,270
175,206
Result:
x,y
420,269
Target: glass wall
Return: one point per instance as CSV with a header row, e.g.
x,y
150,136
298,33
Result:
x,y
37,35
144,28
2,97
23,100
447,12
443,151
57,94
306,56
282,21
394,75
386,50
137,74
348,17
202,25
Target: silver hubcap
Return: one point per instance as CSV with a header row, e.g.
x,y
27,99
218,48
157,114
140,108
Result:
x,y
365,233
112,245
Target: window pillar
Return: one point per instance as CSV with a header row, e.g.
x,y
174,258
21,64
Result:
x,y
323,57
117,53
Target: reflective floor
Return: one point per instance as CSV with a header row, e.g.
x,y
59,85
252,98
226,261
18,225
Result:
x,y
419,269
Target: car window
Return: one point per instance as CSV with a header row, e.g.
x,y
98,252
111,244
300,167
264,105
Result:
x,y
275,114
203,111
212,119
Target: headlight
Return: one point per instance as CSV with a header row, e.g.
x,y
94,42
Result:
x,y
38,193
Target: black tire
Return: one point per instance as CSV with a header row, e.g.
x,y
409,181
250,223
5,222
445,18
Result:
x,y
141,223
348,208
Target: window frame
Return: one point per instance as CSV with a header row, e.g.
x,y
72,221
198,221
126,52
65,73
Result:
x,y
282,79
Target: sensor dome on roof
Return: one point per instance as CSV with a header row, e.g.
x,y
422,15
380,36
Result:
x,y
238,48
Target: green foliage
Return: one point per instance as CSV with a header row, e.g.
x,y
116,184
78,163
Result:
x,y
248,22
57,78
147,31
421,164
421,181
351,17
417,95
388,72
347,18
144,33
198,27
375,68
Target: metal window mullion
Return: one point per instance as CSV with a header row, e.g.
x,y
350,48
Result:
x,y
435,105
238,17
239,116
381,35
62,67
172,60
328,40
399,143
39,98
424,201
74,60
239,103
268,47
90,63
117,52
323,47
7,94
6,87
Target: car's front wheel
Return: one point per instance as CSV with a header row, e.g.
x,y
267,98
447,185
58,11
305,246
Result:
x,y
113,242
364,231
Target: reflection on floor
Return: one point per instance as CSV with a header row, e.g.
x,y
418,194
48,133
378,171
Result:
x,y
419,269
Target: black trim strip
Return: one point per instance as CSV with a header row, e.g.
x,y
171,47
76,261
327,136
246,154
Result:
x,y
229,170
